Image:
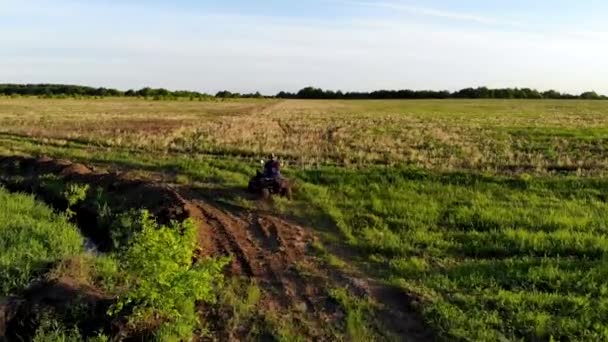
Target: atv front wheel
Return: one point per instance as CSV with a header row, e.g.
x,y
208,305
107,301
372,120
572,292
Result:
x,y
286,192
265,193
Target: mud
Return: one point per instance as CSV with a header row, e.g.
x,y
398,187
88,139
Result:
x,y
265,248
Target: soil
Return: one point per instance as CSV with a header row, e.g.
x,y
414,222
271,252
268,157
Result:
x,y
63,297
274,252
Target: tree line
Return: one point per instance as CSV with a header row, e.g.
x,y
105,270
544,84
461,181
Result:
x,y
467,93
52,90
76,90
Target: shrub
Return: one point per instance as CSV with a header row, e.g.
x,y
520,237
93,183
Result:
x,y
163,284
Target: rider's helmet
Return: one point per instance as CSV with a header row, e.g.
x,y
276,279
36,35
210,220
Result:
x,y
273,163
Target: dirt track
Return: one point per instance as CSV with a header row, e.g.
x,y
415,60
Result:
x,y
272,251
265,248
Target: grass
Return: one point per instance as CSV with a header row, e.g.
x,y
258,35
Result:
x,y
32,238
494,135
492,256
492,213
358,312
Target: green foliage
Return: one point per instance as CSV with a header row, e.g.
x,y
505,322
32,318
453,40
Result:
x,y
31,237
74,194
163,284
53,185
241,297
126,225
467,93
64,91
51,330
99,338
107,273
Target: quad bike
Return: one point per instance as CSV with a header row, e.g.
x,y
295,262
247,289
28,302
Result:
x,y
268,186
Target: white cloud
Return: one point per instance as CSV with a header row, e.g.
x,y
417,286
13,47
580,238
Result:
x,y
210,52
433,12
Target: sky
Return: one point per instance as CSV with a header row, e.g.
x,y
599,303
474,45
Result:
x,y
273,45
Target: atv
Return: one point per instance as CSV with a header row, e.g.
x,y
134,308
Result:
x,y
268,186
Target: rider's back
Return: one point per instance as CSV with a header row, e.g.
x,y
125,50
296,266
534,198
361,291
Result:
x,y
272,169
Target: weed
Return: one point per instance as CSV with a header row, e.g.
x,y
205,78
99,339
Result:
x,y
74,194
282,327
50,330
241,297
358,311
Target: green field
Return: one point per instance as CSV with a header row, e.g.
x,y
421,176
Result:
x,y
491,214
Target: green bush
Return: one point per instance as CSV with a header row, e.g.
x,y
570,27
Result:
x,y
162,282
125,226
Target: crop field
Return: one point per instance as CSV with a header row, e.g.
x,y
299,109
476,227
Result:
x,y
456,220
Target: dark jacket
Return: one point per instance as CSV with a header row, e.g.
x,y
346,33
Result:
x,y
272,169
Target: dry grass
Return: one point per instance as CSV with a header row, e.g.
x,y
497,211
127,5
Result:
x,y
493,135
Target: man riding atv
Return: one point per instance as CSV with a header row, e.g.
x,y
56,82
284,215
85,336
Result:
x,y
270,181
272,168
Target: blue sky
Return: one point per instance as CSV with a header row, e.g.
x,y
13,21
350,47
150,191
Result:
x,y
285,45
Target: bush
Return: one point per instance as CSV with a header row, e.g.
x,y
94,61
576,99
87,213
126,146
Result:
x,y
125,226
162,282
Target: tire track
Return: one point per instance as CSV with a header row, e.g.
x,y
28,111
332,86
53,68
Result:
x,y
225,240
264,249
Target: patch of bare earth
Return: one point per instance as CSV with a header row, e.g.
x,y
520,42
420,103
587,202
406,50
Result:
x,y
272,251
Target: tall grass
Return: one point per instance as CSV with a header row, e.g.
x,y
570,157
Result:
x,y
31,238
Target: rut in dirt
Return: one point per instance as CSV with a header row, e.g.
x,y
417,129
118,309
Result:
x,y
265,248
